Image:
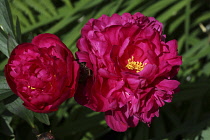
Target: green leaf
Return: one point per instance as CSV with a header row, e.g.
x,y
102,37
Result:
x,y
23,7
159,5
18,31
3,42
171,11
15,106
3,63
206,69
5,127
11,44
7,29
6,18
206,134
191,91
131,5
37,6
42,118
2,107
142,132
159,127
49,6
5,94
3,83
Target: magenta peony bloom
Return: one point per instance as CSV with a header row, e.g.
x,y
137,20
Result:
x,y
42,73
132,68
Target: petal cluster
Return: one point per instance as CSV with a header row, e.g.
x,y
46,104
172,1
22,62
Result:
x,y
132,68
42,73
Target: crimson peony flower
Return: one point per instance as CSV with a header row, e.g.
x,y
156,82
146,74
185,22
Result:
x,y
132,68
42,73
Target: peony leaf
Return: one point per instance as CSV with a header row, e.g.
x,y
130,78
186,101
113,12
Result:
x,y
18,31
206,69
143,132
6,29
5,127
11,44
159,127
4,89
42,118
15,106
205,134
5,93
3,42
6,17
2,107
3,83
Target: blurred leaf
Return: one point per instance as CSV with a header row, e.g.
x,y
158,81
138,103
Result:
x,y
156,7
130,5
206,69
191,90
159,128
171,11
24,7
5,127
15,106
180,18
202,18
205,135
173,117
42,118
78,122
142,132
38,6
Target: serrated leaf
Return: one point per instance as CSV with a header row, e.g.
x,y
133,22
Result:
x,y
16,107
42,118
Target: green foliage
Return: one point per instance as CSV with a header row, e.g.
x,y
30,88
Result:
x,y
187,117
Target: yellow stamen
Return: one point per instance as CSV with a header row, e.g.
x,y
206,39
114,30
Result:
x,y
135,65
31,87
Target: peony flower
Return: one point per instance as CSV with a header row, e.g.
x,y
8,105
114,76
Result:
x,y
42,73
132,68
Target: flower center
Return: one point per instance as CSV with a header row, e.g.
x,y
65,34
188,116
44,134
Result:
x,y
135,65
